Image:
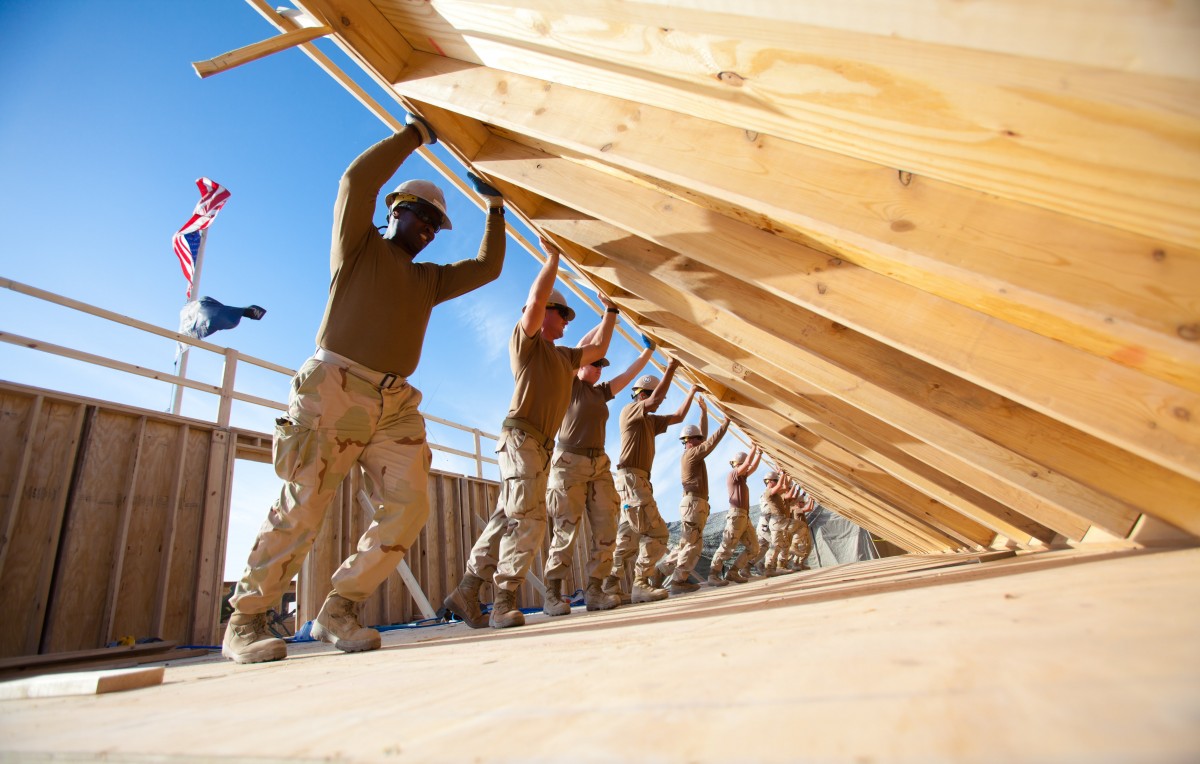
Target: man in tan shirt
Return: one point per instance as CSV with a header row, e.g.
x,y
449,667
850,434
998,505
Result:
x,y
351,403
581,480
799,503
542,372
693,509
642,526
737,523
772,505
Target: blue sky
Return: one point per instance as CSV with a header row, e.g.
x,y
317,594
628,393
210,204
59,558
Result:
x,y
104,128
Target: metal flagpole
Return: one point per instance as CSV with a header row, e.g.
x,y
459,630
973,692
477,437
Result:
x,y
195,290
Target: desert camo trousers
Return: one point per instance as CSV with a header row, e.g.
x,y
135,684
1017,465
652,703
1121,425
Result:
x,y
781,541
738,531
577,484
801,540
514,533
693,515
337,420
641,527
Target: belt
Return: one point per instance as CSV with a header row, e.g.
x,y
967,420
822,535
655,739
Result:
x,y
591,453
381,379
695,496
531,431
635,471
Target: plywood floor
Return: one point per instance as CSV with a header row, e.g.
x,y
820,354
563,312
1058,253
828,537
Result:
x,y
1058,656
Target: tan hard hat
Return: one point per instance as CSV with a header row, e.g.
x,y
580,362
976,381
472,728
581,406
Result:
x,y
646,382
423,190
771,477
556,298
737,459
690,431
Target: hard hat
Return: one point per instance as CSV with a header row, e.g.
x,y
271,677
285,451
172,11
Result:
x,y
771,477
556,298
690,431
424,191
737,459
601,363
645,382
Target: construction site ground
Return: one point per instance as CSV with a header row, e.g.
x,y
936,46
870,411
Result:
x,y
1062,655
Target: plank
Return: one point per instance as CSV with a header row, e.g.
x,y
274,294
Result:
x,y
181,583
82,683
77,616
121,537
210,559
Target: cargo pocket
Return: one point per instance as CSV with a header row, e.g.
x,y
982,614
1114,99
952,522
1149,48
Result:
x,y
292,448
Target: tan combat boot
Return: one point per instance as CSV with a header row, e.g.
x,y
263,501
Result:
x,y
736,576
463,601
595,598
612,585
505,612
681,587
714,576
552,601
337,624
247,640
644,592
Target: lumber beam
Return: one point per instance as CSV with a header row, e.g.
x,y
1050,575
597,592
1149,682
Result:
x,y
255,51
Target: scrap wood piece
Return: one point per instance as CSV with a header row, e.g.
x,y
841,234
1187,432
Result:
x,y
40,664
81,683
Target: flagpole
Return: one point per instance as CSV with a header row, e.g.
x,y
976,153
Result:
x,y
195,290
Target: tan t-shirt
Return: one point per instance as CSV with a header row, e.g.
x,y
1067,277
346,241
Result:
x,y
379,299
772,504
587,415
542,372
692,470
739,491
638,428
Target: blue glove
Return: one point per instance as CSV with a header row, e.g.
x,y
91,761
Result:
x,y
424,128
482,187
648,343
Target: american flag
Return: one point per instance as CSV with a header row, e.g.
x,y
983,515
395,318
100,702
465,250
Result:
x,y
187,241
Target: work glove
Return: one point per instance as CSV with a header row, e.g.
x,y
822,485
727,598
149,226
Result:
x,y
493,197
428,136
648,343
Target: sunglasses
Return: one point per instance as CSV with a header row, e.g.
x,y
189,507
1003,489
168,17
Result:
x,y
560,310
427,214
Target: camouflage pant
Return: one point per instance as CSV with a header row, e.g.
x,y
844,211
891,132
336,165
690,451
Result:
x,y
737,531
577,483
762,539
801,540
515,531
335,421
780,541
641,527
693,514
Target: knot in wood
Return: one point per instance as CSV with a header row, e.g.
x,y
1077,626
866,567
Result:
x,y
731,78
1189,332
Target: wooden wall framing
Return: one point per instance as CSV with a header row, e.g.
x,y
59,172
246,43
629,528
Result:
x,y
114,523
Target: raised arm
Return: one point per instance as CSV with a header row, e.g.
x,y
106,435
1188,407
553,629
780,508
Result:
x,y
678,416
751,463
664,385
539,292
703,415
596,347
619,382
465,275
